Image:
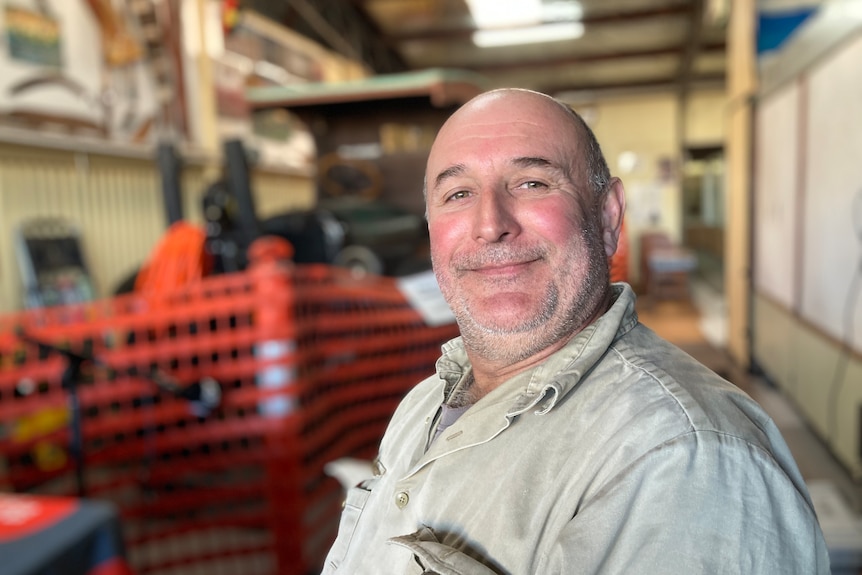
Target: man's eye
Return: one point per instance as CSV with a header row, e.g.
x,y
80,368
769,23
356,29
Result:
x,y
533,185
459,195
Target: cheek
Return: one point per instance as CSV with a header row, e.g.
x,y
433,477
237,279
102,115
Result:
x,y
558,222
445,236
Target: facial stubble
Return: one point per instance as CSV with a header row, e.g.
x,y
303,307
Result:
x,y
513,343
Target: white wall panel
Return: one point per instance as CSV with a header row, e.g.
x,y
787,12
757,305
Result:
x,y
775,195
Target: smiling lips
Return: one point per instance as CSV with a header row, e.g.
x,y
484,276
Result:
x,y
499,260
503,269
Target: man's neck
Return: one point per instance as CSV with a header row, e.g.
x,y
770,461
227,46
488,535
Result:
x,y
490,373
463,394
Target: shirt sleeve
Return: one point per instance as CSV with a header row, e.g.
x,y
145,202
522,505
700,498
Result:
x,y
705,502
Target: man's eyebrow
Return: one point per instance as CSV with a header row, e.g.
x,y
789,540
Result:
x,y
533,162
449,172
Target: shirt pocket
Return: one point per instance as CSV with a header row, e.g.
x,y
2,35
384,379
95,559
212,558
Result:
x,y
354,503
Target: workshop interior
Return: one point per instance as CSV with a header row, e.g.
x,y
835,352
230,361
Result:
x,y
215,277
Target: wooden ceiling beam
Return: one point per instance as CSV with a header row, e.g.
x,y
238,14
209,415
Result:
x,y
621,17
716,47
665,83
339,25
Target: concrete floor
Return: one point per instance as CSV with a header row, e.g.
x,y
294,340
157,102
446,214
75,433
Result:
x,y
698,326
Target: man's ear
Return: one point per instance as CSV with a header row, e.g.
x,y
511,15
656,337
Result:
x,y
613,209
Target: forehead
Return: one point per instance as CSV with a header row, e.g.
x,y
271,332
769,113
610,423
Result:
x,y
498,128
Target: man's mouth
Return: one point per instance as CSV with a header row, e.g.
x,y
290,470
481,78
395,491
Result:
x,y
499,262
503,268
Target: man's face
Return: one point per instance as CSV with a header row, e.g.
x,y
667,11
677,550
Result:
x,y
516,237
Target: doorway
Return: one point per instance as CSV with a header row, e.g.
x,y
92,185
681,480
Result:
x,y
703,211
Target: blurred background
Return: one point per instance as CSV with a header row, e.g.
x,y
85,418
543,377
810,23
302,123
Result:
x,y
214,261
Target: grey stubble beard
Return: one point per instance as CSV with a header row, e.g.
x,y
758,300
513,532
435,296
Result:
x,y
514,344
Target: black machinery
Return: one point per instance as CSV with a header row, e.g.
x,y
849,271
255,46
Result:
x,y
365,235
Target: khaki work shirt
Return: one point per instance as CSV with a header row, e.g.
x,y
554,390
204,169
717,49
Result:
x,y
620,454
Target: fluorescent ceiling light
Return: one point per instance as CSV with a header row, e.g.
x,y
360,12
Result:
x,y
496,14
562,10
529,35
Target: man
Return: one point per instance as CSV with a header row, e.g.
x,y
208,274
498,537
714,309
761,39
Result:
x,y
559,435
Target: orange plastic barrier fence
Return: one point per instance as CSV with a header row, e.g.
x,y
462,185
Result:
x,y
311,363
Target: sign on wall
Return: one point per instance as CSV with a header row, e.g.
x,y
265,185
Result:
x,y
73,64
33,37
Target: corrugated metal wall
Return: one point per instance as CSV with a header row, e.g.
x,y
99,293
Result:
x,y
116,203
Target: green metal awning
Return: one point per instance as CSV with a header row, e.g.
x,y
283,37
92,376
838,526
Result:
x,y
443,87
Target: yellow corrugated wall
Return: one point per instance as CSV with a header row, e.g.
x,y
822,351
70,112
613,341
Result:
x,y
115,202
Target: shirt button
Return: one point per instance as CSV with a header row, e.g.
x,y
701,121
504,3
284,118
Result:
x,y
402,499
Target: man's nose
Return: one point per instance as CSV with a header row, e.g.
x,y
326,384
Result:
x,y
495,218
